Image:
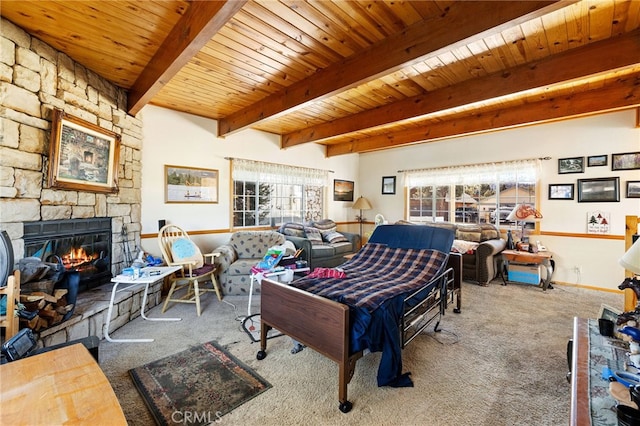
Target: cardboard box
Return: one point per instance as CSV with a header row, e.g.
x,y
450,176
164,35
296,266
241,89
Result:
x,y
528,274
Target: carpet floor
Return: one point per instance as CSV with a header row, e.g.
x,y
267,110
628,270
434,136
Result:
x,y
502,361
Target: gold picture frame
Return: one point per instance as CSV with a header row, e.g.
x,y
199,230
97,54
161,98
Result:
x,y
190,185
82,155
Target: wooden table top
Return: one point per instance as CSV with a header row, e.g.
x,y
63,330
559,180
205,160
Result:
x,y
63,386
525,256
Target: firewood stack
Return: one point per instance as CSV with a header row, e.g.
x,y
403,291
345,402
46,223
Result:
x,y
50,309
45,306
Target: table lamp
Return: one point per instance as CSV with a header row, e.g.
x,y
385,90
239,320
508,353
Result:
x,y
524,213
361,204
631,259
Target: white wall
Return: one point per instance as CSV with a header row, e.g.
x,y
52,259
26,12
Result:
x,y
597,135
187,140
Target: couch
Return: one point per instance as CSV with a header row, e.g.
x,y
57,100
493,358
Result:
x,y
322,245
480,246
243,251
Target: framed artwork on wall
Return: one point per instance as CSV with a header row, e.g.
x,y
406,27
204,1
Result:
x,y
599,190
597,160
625,161
571,165
388,185
342,190
561,191
82,156
190,185
633,189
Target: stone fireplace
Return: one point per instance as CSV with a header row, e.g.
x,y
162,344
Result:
x,y
37,80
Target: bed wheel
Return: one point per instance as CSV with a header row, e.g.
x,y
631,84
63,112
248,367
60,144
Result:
x,y
345,407
261,355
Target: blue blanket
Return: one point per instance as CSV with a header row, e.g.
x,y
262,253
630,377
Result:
x,y
378,278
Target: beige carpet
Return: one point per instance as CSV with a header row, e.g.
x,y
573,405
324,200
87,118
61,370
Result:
x,y
502,361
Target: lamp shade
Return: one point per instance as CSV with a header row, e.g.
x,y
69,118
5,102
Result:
x,y
631,259
524,213
362,204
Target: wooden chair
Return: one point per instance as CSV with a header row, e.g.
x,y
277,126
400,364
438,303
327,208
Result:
x,y
197,269
10,322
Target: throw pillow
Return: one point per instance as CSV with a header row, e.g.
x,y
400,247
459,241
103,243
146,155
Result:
x,y
326,228
313,235
468,235
325,225
489,232
183,250
334,237
293,232
292,229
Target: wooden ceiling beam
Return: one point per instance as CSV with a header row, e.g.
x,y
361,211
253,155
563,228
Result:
x,y
595,58
462,23
620,93
201,21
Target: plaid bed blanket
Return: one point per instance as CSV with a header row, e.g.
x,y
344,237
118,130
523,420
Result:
x,y
377,273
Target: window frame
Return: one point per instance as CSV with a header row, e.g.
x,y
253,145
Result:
x,y
512,182
264,193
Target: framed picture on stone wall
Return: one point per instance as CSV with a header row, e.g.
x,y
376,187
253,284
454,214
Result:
x,y
82,155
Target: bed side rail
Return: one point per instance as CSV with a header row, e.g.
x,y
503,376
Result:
x,y
432,306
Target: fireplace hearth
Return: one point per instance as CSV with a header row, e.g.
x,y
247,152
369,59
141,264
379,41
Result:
x,y
80,246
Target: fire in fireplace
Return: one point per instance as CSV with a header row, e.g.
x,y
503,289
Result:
x,y
79,245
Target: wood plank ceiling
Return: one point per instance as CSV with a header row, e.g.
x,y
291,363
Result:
x,y
355,76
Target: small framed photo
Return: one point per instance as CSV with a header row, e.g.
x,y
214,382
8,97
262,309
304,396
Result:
x,y
561,191
599,190
633,189
609,312
342,190
597,160
571,165
388,185
625,161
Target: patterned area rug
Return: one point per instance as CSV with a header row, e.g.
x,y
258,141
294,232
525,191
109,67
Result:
x,y
196,386
605,352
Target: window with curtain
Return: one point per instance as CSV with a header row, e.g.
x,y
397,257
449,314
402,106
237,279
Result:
x,y
479,193
268,194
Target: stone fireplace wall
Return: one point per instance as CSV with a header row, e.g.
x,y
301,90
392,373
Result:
x,y
35,79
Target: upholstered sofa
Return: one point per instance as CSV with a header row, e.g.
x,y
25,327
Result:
x,y
322,245
480,246
243,251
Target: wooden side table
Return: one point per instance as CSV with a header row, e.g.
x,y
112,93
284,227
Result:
x,y
525,258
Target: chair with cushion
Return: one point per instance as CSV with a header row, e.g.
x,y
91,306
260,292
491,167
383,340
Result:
x,y
243,251
196,269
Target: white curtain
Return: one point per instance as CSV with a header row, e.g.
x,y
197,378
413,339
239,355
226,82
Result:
x,y
258,171
473,174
